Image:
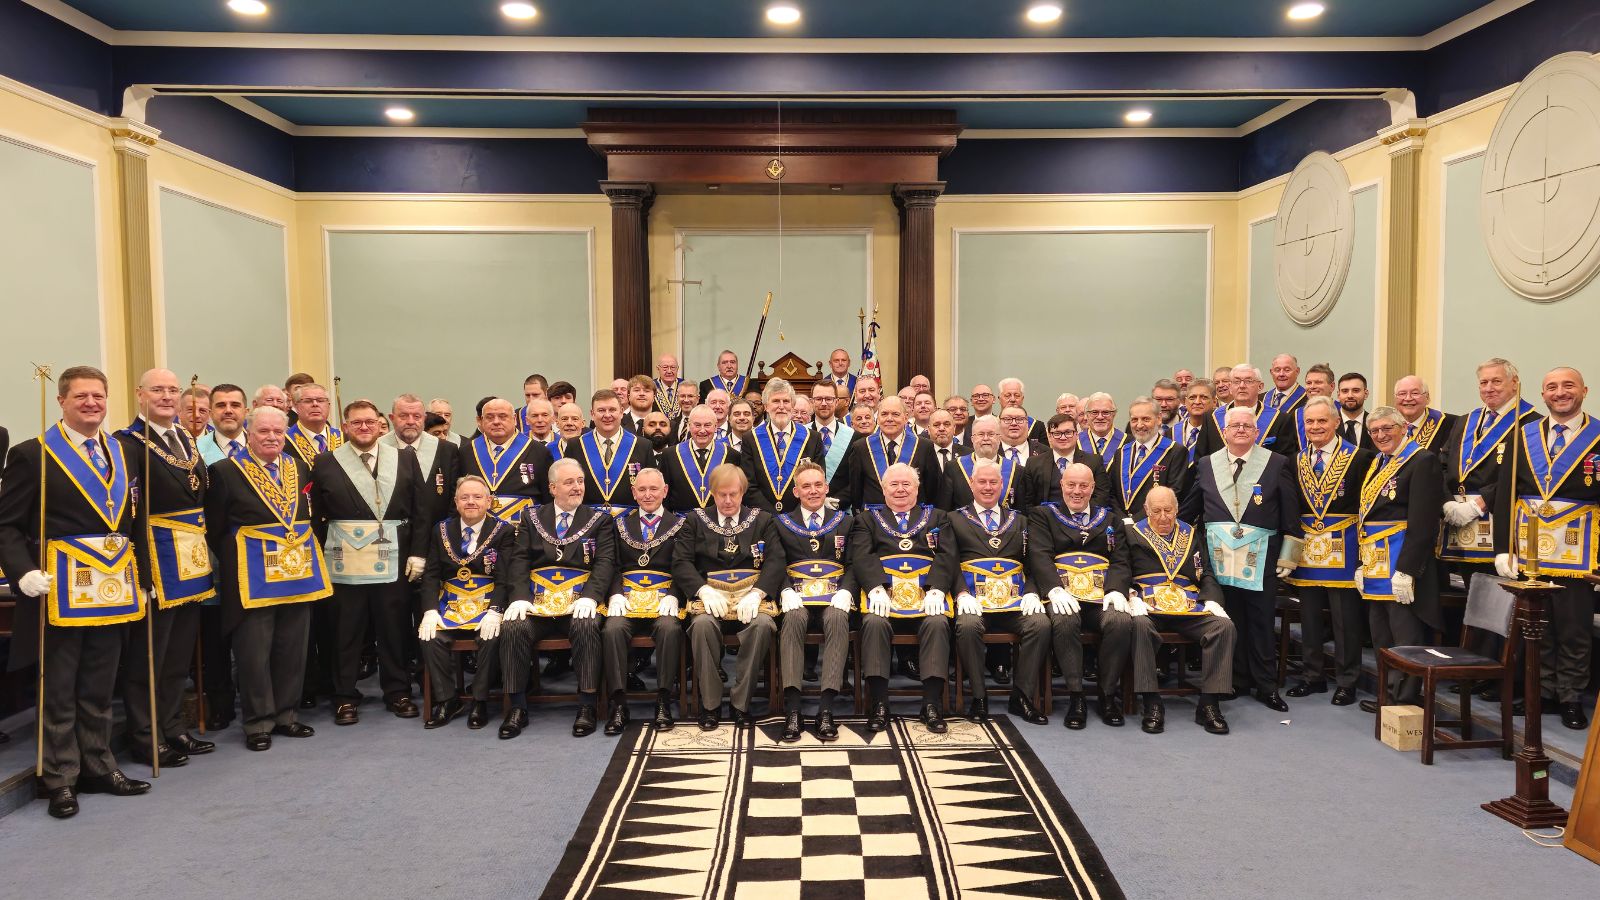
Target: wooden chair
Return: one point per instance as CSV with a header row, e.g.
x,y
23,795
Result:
x,y
1291,612
1488,608
895,640
774,685
646,642
467,645
1182,687
814,639
1043,702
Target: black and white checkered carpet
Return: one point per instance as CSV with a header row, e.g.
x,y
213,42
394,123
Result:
x,y
903,814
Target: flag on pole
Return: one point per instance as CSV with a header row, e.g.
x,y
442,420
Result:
x,y
869,353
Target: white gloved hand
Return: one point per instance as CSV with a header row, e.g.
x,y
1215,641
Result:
x,y
967,605
1460,512
518,610
414,567
840,601
617,606
791,599
431,623
1360,581
749,605
1503,566
668,606
878,602
934,603
489,626
716,603
1032,605
584,609
35,583
1285,569
1215,608
1137,607
1062,603
1116,602
1405,588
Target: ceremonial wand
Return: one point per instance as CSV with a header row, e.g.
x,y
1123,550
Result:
x,y
149,609
338,406
42,373
750,366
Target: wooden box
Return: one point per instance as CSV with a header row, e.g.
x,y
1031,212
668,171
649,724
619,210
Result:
x,y
1402,727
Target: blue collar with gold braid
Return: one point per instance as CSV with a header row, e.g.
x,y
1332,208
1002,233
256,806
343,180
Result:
x,y
700,479
1133,477
608,477
879,454
779,471
307,444
1475,447
1266,417
108,495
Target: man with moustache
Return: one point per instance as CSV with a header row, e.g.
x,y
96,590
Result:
x,y
1146,460
641,399
226,438
688,471
956,490
960,418
1166,397
643,601
610,456
946,452
890,444
514,465
817,597
657,433
774,450
1198,402
728,379
439,461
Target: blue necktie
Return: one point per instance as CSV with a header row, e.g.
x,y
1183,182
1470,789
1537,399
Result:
x,y
1061,463
466,540
1488,421
900,519
236,450
648,526
272,470
816,521
92,448
1556,446
1318,465
1138,455
561,525
827,439
989,521
322,444
783,441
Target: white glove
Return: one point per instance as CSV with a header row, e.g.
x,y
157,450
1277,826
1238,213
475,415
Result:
x,y
791,600
1285,569
967,605
934,603
414,567
1215,608
35,583
840,601
431,623
518,610
716,603
584,608
1460,512
749,605
1405,588
1116,602
878,601
489,626
1062,603
1360,581
1032,605
1502,566
1137,607
617,605
667,607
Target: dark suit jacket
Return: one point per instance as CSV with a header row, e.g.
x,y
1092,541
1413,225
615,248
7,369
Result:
x,y
1419,495
1435,440
1570,488
533,551
1172,471
680,496
797,546
335,496
631,545
1279,438
231,504
712,384
1050,474
1364,440
1484,479
1049,537
642,456
163,489
440,566
955,491
1347,504
526,476
971,542
759,493
439,475
1278,511
1143,560
700,550
870,543
861,486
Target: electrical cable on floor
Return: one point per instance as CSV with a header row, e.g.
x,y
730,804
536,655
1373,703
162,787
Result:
x,y
1530,834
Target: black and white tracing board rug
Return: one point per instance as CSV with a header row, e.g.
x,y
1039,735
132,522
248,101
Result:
x,y
901,814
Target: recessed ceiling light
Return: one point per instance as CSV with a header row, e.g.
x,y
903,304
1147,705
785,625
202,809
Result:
x,y
1136,116
1303,11
1044,13
248,7
519,10
783,14
399,114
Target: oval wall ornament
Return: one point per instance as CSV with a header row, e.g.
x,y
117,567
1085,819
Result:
x,y
1540,196
1312,239
775,169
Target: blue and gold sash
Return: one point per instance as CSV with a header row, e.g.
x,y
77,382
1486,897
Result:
x,y
880,457
995,582
1300,426
180,561
1106,448
908,575
816,580
1381,543
1083,575
109,495
1289,400
735,388
1186,434
1169,592
556,589
700,479
281,562
608,477
1379,478
1549,473
779,472
1133,478
1008,473
93,580
1429,429
464,599
1474,448
508,508
1265,419
307,444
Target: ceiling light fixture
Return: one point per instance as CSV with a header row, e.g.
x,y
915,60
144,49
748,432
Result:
x,y
783,14
1136,116
1301,12
521,11
248,7
399,114
1044,13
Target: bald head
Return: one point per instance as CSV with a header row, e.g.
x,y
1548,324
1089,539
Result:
x,y
158,396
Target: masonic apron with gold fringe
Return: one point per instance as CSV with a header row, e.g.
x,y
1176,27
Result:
x,y
1568,530
816,580
643,589
1170,592
180,560
1083,574
909,573
995,582
464,597
1330,553
556,588
734,584
279,562
1382,541
93,577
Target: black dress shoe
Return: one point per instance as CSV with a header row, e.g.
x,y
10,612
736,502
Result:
x,y
346,714
1002,674
479,717
192,745
742,719
618,719
1369,706
1111,711
810,674
516,720
171,757
1343,696
584,722
932,719
443,713
663,717
1270,700
1077,712
827,730
1153,717
308,701
978,710
1023,709
908,668
294,730
710,720
878,717
1210,716
403,708
723,673
636,684
259,741
794,725
218,722
63,803
114,783
1307,688
1572,717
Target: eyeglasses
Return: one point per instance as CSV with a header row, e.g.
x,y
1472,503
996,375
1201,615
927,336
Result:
x,y
360,423
1099,413
1014,420
1244,426
1063,433
983,396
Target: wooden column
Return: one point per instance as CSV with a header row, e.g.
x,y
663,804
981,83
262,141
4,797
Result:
x,y
630,276
133,141
916,202
1404,145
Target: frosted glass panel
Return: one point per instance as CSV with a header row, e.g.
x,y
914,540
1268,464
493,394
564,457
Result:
x,y
459,315
1079,311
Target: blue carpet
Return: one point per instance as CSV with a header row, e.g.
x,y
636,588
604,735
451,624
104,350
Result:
x,y
1316,808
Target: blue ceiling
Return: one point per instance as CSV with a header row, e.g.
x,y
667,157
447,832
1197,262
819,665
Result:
x,y
441,112
821,18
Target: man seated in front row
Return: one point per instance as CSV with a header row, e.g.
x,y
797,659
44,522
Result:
x,y
644,600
